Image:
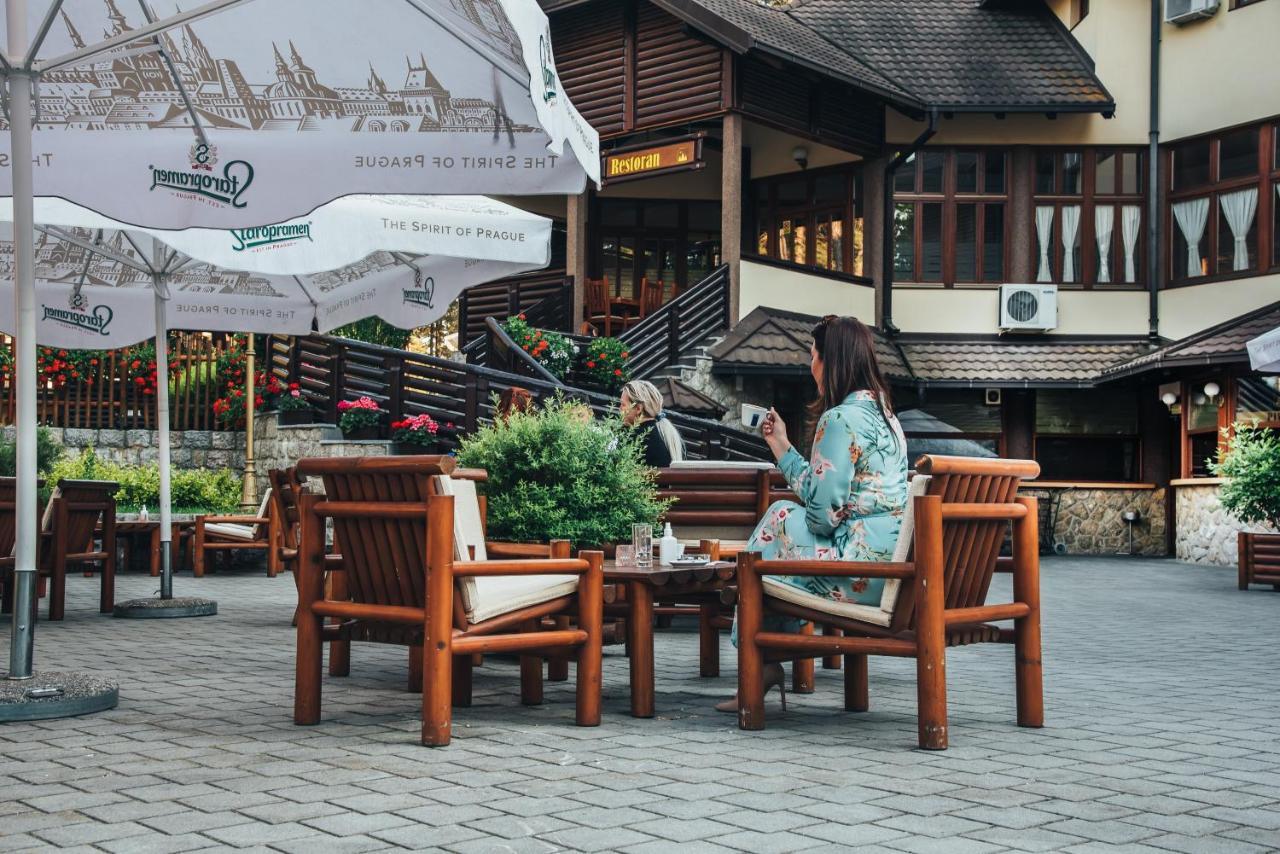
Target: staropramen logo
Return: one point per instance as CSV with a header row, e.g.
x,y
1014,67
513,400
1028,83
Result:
x,y
268,235
79,315
548,68
202,179
424,291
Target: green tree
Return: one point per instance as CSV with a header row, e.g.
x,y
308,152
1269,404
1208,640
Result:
x,y
1251,467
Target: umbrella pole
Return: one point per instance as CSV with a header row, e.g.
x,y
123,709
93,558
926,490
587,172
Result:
x,y
26,694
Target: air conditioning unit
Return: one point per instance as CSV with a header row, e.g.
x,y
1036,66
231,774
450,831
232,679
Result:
x,y
1028,308
1185,11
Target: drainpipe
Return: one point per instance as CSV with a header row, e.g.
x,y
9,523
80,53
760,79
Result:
x,y
886,270
1153,178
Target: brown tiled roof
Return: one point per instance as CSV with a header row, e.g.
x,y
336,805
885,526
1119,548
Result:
x,y
940,54
1011,362
1219,344
679,397
771,340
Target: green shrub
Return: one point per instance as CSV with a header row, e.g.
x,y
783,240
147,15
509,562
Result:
x,y
1251,466
48,452
555,474
374,330
190,489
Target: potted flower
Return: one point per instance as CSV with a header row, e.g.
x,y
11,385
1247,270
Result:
x,y
361,418
267,391
293,408
414,434
1251,492
604,363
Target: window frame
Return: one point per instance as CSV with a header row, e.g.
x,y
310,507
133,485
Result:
x,y
1136,438
1088,200
949,199
765,190
1266,178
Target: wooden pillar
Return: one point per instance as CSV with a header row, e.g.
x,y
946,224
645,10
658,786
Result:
x,y
576,251
731,207
1021,231
872,205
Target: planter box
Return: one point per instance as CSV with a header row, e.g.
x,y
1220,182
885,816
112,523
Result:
x,y
364,433
294,417
1259,560
412,449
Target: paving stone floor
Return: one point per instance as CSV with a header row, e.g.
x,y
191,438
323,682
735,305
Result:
x,y
1162,735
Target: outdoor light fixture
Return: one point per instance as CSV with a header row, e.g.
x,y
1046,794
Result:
x,y
1211,390
1169,399
800,155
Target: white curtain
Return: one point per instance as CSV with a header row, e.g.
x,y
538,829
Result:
x,y
1104,218
1239,208
1130,220
1070,228
1044,231
1191,216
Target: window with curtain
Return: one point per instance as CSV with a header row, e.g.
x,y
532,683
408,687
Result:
x,y
1222,205
1087,435
1089,211
950,225
810,218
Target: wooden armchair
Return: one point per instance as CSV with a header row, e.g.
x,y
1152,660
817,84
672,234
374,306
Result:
x,y
650,301
407,585
238,532
934,595
601,312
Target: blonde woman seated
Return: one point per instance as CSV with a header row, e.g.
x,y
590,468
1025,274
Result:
x,y
641,406
853,487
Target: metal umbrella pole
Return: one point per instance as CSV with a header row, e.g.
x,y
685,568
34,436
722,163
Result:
x,y
26,694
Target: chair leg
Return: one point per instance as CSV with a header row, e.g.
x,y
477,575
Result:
x,y
802,673
339,650
198,553
58,591
437,685
856,693
462,666
750,657
708,641
931,631
415,670
831,662
1026,631
530,673
558,665
591,621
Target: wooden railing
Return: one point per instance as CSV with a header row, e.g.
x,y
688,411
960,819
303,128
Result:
x,y
545,297
658,341
104,393
331,369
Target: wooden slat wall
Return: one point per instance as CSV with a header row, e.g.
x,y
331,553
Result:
x,y
590,51
678,77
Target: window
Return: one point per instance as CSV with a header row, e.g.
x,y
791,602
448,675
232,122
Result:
x,y
1203,425
1089,207
676,243
1236,4
1258,401
1221,213
957,422
1087,435
811,219
950,224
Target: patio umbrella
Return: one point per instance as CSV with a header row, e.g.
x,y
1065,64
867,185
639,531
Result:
x,y
1264,352
219,120
99,286
919,421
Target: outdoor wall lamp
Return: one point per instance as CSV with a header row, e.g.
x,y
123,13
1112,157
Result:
x,y
800,155
1169,399
1211,390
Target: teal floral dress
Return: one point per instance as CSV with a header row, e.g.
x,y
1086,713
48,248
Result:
x,y
854,491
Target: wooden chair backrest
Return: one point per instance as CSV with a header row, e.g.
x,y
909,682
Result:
x,y
650,296
89,503
720,496
286,486
597,296
384,557
969,548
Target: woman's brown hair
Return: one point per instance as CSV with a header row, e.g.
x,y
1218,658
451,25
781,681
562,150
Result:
x,y
848,353
514,401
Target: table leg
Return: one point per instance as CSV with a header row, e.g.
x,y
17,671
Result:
x,y
640,635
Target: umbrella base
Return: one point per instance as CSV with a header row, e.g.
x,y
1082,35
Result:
x,y
55,695
160,609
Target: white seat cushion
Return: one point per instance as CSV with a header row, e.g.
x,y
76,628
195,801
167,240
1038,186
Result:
x,y
488,597
748,465
880,615
230,530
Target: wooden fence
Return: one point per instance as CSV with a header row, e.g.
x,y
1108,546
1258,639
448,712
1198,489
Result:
x,y
104,393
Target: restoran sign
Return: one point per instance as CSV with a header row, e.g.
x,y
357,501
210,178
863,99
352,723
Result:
x,y
631,163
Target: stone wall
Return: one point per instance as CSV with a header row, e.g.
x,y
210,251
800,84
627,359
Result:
x,y
279,447
1089,519
1206,533
189,448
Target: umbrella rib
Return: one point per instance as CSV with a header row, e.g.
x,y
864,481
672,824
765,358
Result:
x,y
136,248
81,55
173,75
315,303
75,240
45,25
502,63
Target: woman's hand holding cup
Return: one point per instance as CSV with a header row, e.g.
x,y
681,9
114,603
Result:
x,y
775,433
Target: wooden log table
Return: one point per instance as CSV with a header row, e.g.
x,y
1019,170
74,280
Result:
x,y
701,585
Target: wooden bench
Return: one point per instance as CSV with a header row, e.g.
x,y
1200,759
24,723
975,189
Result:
x,y
935,597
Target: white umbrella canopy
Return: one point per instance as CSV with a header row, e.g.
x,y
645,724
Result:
x,y
1264,352
254,111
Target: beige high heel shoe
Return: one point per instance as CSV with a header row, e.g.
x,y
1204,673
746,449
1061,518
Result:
x,y
774,677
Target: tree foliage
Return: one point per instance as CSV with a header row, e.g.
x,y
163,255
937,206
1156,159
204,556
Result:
x,y
1251,467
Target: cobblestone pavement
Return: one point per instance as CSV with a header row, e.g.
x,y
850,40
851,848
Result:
x,y
1162,698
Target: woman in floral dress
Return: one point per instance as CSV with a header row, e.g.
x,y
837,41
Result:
x,y
852,489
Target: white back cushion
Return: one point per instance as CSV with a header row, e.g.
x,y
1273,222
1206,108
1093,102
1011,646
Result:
x,y
488,597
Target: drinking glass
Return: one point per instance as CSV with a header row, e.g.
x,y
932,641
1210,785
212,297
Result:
x,y
626,555
642,539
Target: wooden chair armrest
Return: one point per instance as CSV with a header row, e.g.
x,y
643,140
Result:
x,y
237,520
480,568
836,568
1004,564
498,550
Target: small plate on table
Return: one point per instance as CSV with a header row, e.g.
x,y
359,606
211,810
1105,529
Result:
x,y
690,561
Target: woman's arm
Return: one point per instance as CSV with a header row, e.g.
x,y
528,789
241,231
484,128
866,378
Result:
x,y
822,484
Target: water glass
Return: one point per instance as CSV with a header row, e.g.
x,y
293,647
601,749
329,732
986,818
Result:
x,y
626,555
642,539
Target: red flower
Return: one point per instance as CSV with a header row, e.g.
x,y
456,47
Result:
x,y
617,372
591,364
625,354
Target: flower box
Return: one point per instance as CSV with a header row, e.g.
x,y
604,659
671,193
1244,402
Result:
x,y
363,433
294,417
412,449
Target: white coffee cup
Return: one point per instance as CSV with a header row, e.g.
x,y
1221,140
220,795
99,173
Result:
x,y
753,416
